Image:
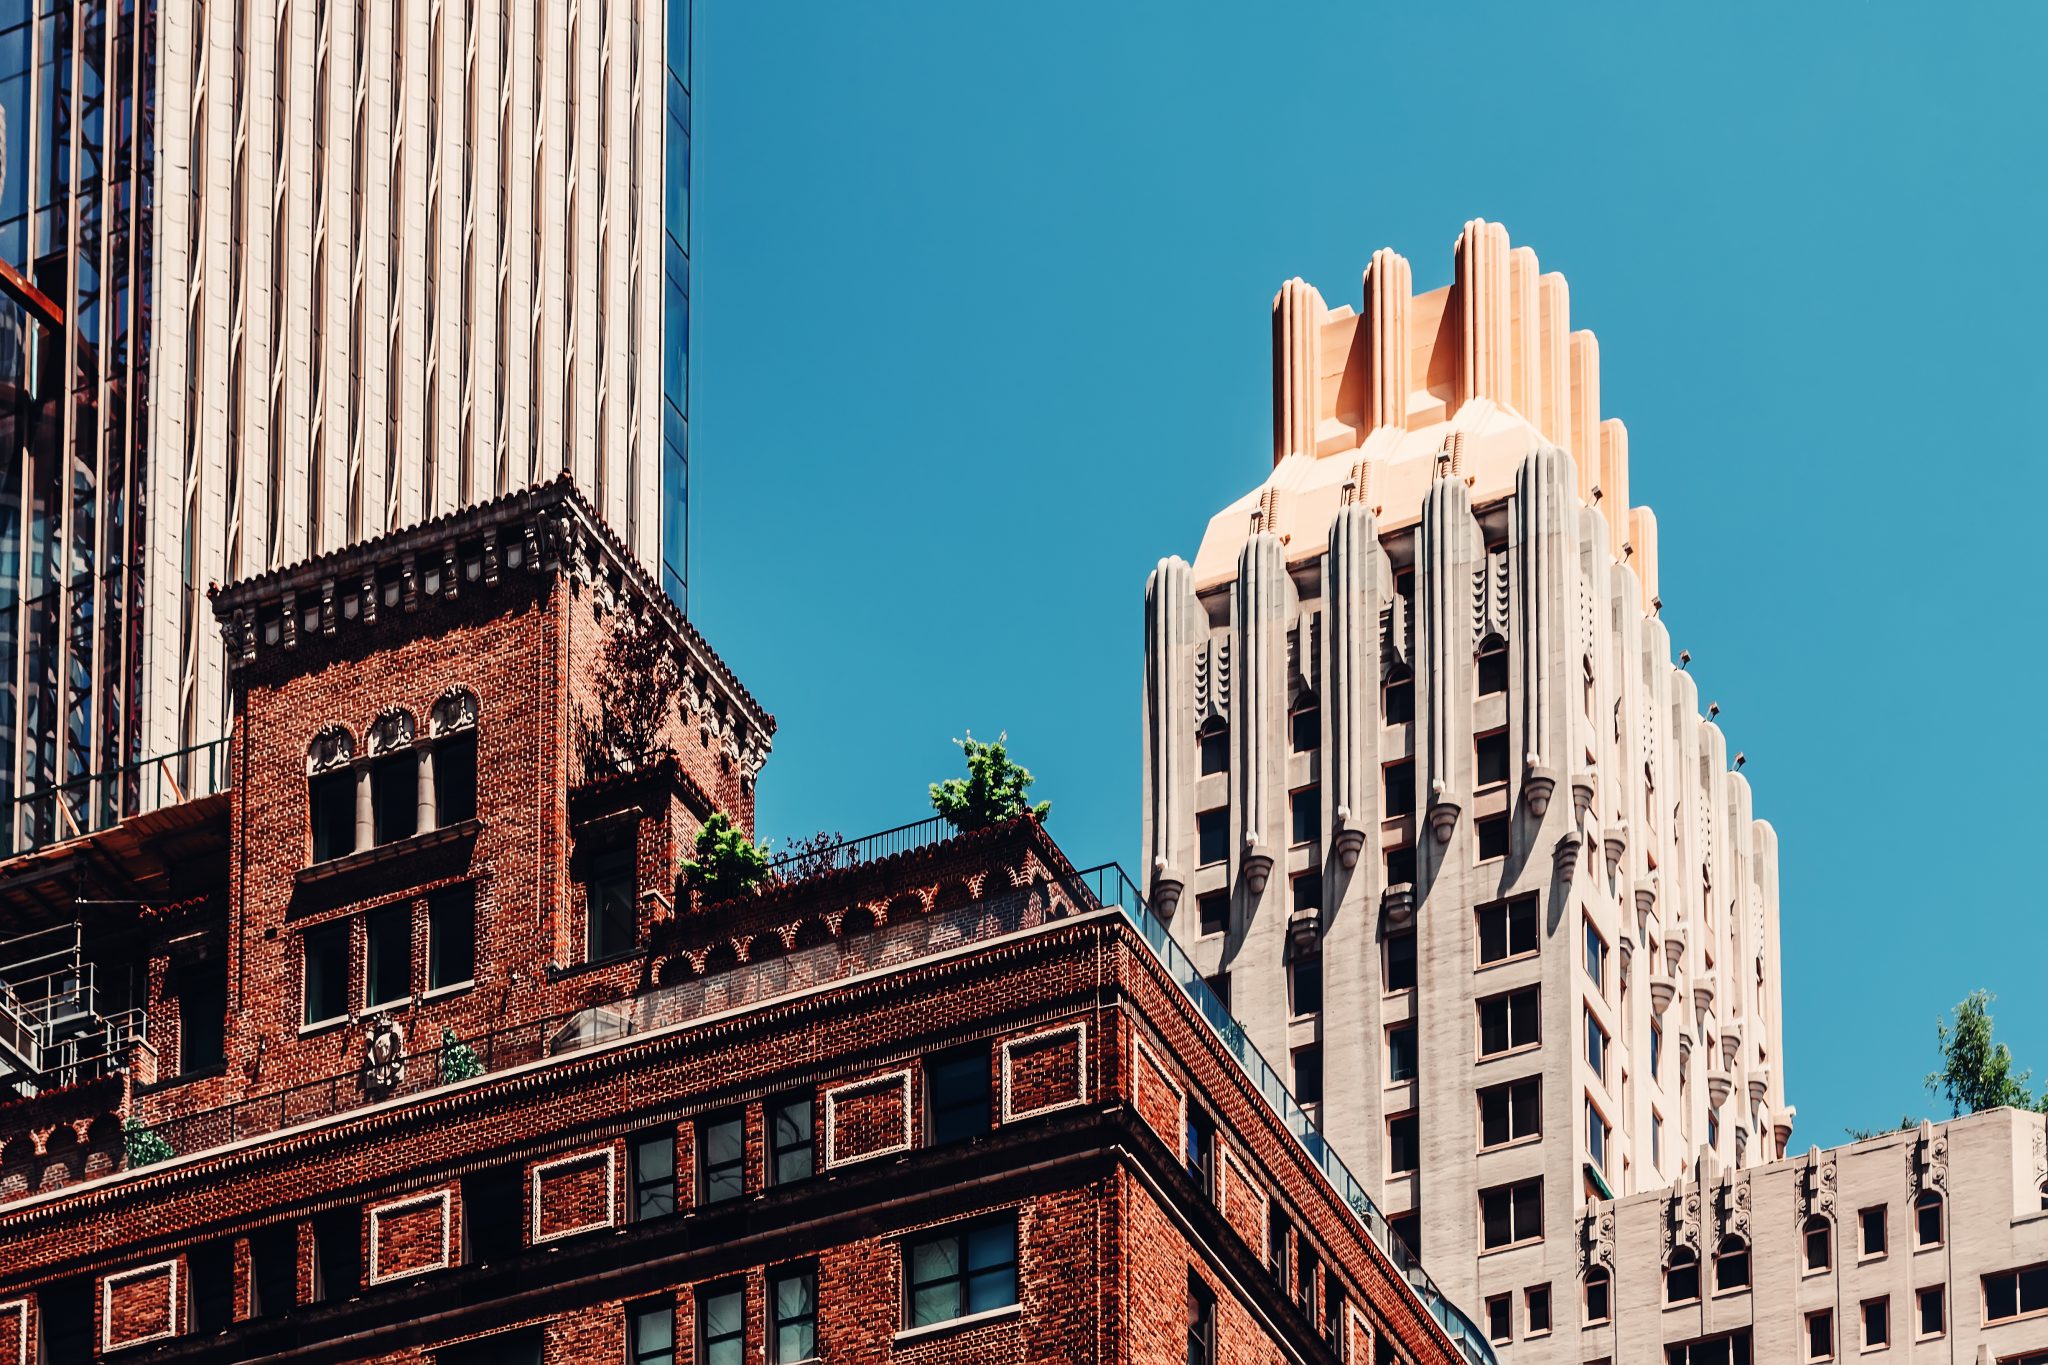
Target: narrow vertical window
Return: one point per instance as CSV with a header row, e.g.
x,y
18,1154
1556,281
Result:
x,y
793,1314
654,1175
334,814
610,894
957,1094
325,985
1305,977
722,1325
1308,1074
1201,1323
451,937
1215,742
790,1140
388,970
722,1157
651,1333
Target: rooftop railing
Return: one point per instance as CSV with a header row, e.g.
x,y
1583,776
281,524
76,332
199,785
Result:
x,y
802,863
66,810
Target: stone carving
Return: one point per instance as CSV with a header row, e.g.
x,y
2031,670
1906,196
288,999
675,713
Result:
x,y
1927,1162
332,748
1816,1187
1682,1219
456,710
1734,1208
1596,1239
383,1056
392,730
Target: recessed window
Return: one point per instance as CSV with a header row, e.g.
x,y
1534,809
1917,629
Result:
x,y
1656,1042
609,897
1308,1074
1308,891
1201,1323
2015,1293
1597,1134
1927,1220
651,1333
1397,698
1215,750
1493,666
722,1325
451,936
1599,1303
1219,986
1819,1240
1400,961
1656,1139
1276,1239
1596,1046
1509,1021
1404,1143
1596,958
1932,1303
961,1272
1212,835
1500,1319
791,1141
956,1094
1397,783
1877,1323
1731,1265
395,796
1333,1313
1729,1348
388,966
1511,1214
1820,1335
1214,909
1198,1147
722,1158
1401,1052
793,1316
1401,866
1492,832
1305,1282
324,990
202,1018
1305,725
1510,1112
1536,1303
1871,1221
1507,929
1305,808
454,761
653,1157
1490,758
1305,982
1406,1229
1682,1276
334,814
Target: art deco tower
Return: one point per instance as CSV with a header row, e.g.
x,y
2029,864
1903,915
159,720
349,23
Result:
x,y
280,277
1427,796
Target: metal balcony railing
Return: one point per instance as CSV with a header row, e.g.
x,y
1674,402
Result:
x,y
52,1031
66,810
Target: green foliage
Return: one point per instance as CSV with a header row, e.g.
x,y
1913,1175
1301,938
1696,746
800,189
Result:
x,y
638,676
992,793
727,864
145,1145
458,1060
1906,1124
1976,1073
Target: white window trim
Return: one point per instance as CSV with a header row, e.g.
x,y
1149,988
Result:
x,y
1079,1030
609,1156
107,1343
18,1307
898,1078
441,1197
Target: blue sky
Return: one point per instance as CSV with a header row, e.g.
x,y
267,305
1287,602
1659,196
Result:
x,y
981,332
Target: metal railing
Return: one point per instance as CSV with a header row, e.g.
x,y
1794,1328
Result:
x,y
801,864
52,1032
66,810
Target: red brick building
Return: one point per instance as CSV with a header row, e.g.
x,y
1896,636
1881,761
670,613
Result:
x,y
413,1045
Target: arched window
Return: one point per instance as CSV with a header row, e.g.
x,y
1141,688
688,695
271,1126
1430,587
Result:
x,y
1682,1276
1599,1295
1215,742
1493,666
331,788
2044,1195
1819,1238
1927,1220
453,731
1397,696
1731,1265
394,776
1305,724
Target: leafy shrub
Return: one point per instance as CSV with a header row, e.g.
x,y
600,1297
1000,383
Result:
x,y
992,793
727,864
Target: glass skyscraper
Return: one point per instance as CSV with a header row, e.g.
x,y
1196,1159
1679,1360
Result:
x,y
675,328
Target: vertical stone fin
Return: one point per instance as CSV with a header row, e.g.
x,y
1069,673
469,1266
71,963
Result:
x,y
1297,369
1389,288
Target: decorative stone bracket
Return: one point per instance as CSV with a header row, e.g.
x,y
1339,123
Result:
x,y
1167,885
1566,854
1258,865
1398,901
1443,818
1538,783
1349,839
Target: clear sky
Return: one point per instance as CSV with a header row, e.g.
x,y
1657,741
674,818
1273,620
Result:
x,y
982,331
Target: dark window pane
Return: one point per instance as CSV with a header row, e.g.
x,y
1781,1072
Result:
x,y
1490,754
790,1140
1308,1074
394,796
653,1334
654,1175
958,1093
389,935
793,1310
202,1018
722,1326
1401,1053
451,936
1401,961
455,778
1398,783
1401,866
1404,1141
1214,908
1493,837
1212,833
1308,891
724,1156
1398,703
1306,728
1307,974
610,911
334,814
326,973
1493,667
1305,813
1215,751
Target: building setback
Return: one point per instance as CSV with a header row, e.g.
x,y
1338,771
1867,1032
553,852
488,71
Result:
x,y
412,1045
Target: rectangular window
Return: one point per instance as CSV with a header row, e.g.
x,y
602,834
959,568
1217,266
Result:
x,y
1305,810
325,987
961,1272
1333,1313
654,1175
1493,837
1507,929
1305,1281
1201,1323
1215,751
1276,1240
455,778
1597,1134
1398,699
1214,909
1400,965
394,797
1927,1220
1536,1299
1401,1052
1198,1148
1305,976
388,968
1511,1214
793,1314
722,1157
1596,1046
956,1094
1818,1252
1493,669
1212,836
1730,1349
2015,1293
1500,1319
1820,1335
1656,1046
1308,1074
1398,788
651,1333
1490,758
1933,1305
791,1140
1877,1323
722,1325
1510,1112
334,814
1598,1306
1308,891
1731,1265
451,937
202,1018
609,905
1407,1227
1404,1144
1219,986
1596,958
1305,726
1656,1138
337,1255
1509,1021
1871,1220
1401,866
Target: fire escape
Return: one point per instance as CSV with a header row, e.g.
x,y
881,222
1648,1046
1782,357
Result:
x,y
52,1030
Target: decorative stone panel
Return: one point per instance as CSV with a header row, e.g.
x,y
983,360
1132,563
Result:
x,y
1159,1099
1044,1072
139,1306
411,1236
572,1194
1242,1202
14,1333
868,1119
1358,1344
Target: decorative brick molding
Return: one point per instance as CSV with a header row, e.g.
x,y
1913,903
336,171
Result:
x,y
405,1216
564,1185
1155,1094
853,1094
1035,1068
1358,1343
14,1333
1243,1203
146,1297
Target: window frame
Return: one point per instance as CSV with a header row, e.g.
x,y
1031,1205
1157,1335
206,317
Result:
x,y
1507,909
1825,1317
2018,1275
775,1110
805,1274
1920,1301
706,1343
1397,776
444,905
734,1168
603,870
1597,1276
1215,735
331,931
1407,1029
1507,1000
1816,1223
1201,1321
1307,798
1531,1296
1312,1092
393,798
1517,1237
1883,1304
1214,818
1507,1092
646,1310
1388,957
1864,1223
641,1186
1306,708
961,1234
1683,1261
383,918
1733,1249
1929,1200
975,1060
1411,1119
1487,746
332,832
1305,967
1205,899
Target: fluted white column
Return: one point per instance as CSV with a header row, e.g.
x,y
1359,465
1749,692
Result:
x,y
1355,584
1172,626
1263,598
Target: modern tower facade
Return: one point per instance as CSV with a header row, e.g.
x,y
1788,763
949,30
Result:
x,y
1429,799
282,277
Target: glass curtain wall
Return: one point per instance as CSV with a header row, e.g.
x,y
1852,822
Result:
x,y
675,325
